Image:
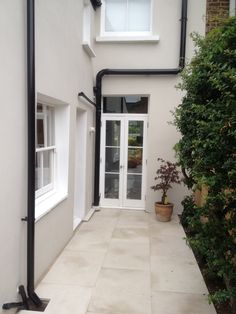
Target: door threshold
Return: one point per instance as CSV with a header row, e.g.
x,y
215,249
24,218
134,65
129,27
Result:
x,y
90,213
122,208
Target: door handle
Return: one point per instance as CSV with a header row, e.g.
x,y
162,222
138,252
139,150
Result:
x,y
121,167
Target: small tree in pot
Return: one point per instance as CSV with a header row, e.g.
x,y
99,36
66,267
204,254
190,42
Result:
x,y
167,175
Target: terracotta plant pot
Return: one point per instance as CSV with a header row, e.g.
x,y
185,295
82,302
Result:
x,y
163,212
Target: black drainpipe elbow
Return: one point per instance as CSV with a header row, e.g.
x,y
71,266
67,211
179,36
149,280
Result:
x,y
96,3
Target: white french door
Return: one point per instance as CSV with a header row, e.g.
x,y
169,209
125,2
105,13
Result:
x,y
123,160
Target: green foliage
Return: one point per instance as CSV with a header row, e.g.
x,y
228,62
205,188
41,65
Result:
x,y
188,212
207,150
222,296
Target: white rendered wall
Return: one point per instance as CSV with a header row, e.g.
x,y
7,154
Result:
x,y
13,165
163,95
63,69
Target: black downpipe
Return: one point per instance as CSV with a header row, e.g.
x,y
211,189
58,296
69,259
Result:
x,y
184,18
31,101
96,3
30,219
98,91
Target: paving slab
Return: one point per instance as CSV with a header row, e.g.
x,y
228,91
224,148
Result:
x,y
126,262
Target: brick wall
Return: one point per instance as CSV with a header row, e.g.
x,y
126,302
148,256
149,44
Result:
x,y
217,10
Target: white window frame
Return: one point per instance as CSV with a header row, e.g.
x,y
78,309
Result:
x,y
44,203
50,186
46,115
131,34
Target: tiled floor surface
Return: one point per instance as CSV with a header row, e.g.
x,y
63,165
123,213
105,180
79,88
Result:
x,y
126,262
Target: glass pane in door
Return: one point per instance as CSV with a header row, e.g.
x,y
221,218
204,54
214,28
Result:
x,y
134,187
112,159
135,133
111,185
134,160
113,133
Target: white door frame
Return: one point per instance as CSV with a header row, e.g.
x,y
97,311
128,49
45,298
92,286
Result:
x,y
80,167
123,202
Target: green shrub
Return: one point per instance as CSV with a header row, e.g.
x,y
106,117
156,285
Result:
x,y
207,150
187,213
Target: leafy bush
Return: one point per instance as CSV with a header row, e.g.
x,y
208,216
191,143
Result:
x,y
207,150
188,213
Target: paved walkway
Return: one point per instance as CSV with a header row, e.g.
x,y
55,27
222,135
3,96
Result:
x,y
125,262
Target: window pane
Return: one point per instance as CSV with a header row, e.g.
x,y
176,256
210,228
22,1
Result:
x,y
113,105
112,159
111,186
45,130
112,133
39,108
134,186
37,172
135,104
139,15
45,126
127,15
47,171
135,160
135,133
40,133
50,127
127,104
116,15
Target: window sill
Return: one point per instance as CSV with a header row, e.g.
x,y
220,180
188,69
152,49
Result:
x,y
45,203
128,39
87,47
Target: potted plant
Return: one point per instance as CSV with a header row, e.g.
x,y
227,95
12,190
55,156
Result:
x,y
167,175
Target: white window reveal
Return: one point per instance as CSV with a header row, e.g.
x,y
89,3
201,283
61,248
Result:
x,y
87,29
45,150
127,20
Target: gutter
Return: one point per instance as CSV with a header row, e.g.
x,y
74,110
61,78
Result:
x,y
104,72
32,300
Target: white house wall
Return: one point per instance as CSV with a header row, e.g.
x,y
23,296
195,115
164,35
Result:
x,y
63,69
163,95
13,166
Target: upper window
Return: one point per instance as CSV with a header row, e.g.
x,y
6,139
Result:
x,y
127,17
45,149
